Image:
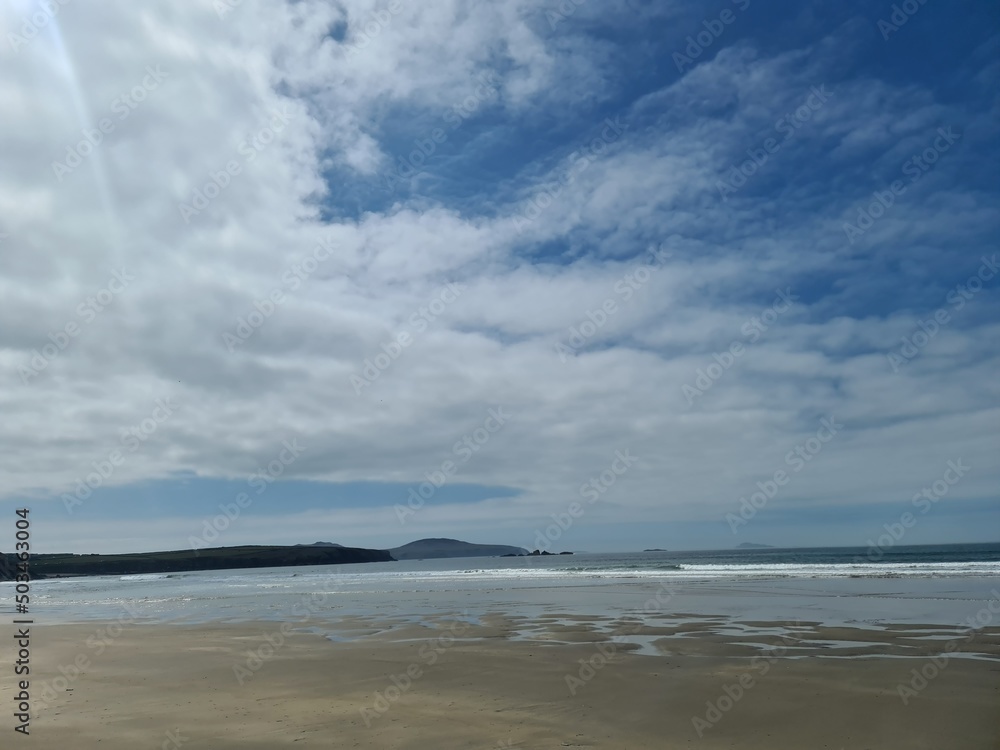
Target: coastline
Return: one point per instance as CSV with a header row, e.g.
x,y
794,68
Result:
x,y
451,681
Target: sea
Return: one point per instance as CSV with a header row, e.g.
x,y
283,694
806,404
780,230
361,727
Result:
x,y
940,584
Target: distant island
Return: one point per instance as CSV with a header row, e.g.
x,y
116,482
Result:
x,y
751,545
431,549
655,549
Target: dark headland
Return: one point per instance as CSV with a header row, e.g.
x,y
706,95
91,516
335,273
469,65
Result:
x,y
249,556
211,558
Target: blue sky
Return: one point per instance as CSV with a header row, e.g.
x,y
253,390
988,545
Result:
x,y
688,232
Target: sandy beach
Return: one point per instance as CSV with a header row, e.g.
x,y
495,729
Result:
x,y
580,681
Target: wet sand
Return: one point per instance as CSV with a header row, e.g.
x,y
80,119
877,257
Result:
x,y
492,682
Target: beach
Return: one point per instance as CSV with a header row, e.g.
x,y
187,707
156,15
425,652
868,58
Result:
x,y
449,682
769,650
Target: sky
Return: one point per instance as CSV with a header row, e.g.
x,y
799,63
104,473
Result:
x,y
572,276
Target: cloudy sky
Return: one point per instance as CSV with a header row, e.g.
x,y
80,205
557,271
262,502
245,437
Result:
x,y
624,263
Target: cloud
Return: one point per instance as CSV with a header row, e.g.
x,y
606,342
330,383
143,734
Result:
x,y
283,119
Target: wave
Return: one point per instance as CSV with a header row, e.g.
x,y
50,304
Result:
x,y
683,571
844,570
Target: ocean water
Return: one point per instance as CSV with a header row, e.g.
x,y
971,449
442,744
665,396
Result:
x,y
928,584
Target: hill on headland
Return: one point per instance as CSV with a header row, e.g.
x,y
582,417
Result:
x,y
426,549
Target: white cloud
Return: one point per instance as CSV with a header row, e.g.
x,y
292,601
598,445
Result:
x,y
163,335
